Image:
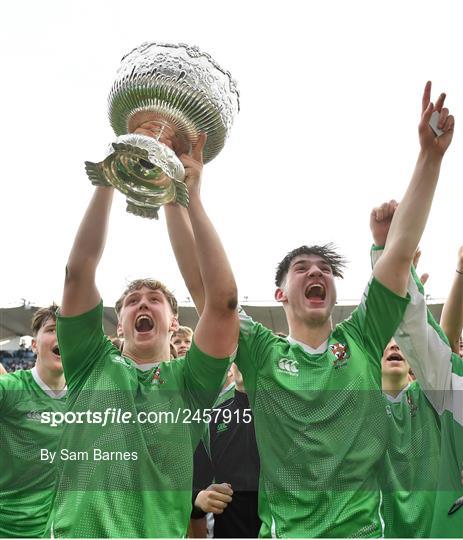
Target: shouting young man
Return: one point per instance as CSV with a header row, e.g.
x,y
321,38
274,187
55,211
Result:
x,y
26,397
316,396
128,473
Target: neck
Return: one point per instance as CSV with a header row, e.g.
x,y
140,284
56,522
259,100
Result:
x,y
147,356
310,334
392,386
53,380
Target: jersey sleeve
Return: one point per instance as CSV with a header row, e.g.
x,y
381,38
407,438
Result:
x,y
11,388
4,393
377,317
426,348
424,344
204,377
254,343
2,396
81,342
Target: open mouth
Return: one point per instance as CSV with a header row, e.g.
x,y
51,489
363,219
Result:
x,y
315,291
394,357
55,350
144,323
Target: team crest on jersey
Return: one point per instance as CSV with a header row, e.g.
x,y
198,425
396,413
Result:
x,y
341,354
157,377
290,367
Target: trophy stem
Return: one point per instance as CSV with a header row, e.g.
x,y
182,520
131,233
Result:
x,y
165,129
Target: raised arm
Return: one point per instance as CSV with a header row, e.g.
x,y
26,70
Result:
x,y
409,219
80,291
452,312
419,337
184,247
217,330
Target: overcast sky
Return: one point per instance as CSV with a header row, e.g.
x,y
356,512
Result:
x,y
330,103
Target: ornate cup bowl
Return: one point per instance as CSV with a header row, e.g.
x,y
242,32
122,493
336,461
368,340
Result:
x,y
182,92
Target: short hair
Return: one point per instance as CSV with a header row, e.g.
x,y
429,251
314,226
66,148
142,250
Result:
x,y
183,331
41,316
153,284
327,252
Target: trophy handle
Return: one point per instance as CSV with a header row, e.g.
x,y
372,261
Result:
x,y
145,170
95,174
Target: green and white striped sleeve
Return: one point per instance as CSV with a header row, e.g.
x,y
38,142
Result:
x,y
425,346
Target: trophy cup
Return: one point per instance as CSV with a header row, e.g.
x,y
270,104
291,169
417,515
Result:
x,y
182,92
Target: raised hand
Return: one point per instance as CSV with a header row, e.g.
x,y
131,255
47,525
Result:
x,y
429,142
193,164
380,221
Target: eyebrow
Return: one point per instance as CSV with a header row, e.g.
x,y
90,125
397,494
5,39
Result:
x,y
49,325
306,261
131,295
135,293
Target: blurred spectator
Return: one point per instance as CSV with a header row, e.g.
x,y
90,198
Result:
x,y
23,358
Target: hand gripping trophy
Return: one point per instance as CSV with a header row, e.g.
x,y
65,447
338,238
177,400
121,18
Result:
x,y
182,92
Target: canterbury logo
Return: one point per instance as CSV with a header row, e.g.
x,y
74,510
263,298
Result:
x,y
289,366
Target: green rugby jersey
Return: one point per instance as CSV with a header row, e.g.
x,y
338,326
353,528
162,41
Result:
x,y
26,481
410,472
320,422
440,372
144,487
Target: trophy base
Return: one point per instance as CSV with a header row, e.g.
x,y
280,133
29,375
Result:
x,y
145,170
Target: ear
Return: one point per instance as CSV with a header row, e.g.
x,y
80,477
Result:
x,y
34,345
119,332
280,295
174,325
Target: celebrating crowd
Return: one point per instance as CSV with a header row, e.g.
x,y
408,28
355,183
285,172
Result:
x,y
321,433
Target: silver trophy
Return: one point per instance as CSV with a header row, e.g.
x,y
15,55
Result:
x,y
181,91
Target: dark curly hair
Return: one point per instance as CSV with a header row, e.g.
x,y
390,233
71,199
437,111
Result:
x,y
326,252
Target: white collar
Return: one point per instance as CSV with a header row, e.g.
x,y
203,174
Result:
x,y
307,348
399,396
44,386
146,367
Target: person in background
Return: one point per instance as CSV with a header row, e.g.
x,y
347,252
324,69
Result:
x,y
182,339
28,476
232,497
